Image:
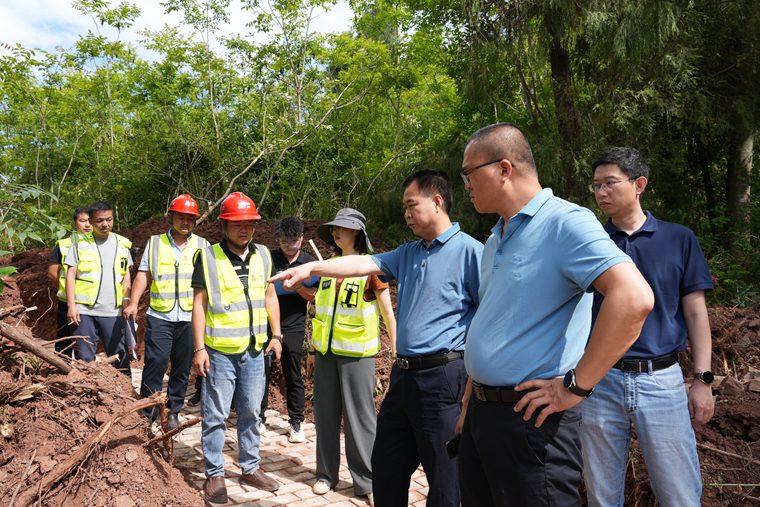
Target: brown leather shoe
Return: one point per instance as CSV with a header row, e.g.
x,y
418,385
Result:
x,y
260,480
214,490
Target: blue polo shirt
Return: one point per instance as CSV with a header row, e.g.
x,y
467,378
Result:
x,y
534,316
437,291
669,257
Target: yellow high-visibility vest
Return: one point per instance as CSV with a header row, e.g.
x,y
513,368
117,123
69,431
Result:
x,y
63,246
347,324
233,315
170,280
87,287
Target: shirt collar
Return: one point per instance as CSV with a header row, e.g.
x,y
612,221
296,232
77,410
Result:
x,y
530,209
649,225
170,233
445,236
226,249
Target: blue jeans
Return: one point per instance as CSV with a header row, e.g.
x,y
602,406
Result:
x,y
656,404
238,378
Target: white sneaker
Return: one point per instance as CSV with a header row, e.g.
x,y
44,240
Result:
x,y
297,434
320,488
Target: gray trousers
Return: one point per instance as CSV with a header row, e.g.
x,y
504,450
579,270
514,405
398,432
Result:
x,y
345,386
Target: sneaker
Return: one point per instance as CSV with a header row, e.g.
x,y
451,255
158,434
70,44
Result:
x,y
297,434
320,487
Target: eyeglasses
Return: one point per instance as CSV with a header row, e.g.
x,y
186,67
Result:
x,y
608,185
467,172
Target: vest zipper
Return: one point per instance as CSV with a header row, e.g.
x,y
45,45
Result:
x,y
250,307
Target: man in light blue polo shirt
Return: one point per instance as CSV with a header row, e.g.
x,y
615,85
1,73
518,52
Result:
x,y
438,279
525,346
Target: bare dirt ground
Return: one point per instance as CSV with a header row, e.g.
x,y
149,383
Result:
x,y
44,425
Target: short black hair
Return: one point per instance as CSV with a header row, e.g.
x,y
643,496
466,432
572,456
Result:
x,y
98,207
504,140
431,182
631,161
288,228
81,210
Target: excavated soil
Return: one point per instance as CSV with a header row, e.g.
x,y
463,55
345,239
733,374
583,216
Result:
x,y
55,421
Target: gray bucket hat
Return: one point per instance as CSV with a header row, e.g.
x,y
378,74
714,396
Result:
x,y
348,218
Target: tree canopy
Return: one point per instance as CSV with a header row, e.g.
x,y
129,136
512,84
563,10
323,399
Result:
x,y
306,123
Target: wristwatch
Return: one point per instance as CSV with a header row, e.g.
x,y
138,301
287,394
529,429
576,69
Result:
x,y
277,337
706,377
569,383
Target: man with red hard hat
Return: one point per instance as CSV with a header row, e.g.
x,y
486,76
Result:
x,y
232,304
167,268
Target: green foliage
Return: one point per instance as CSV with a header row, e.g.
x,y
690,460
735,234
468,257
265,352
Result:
x,y
23,220
5,271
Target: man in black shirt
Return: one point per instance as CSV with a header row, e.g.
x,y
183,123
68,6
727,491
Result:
x,y
289,234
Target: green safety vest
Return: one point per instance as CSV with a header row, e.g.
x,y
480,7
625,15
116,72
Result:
x,y
170,280
233,315
347,325
87,287
63,246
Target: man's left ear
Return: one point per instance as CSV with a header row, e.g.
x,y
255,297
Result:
x,y
641,184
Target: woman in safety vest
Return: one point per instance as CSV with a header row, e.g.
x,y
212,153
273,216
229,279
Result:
x,y
345,340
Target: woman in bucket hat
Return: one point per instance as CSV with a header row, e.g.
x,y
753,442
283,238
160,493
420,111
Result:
x,y
345,340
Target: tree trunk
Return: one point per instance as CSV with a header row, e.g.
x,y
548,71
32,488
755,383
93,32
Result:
x,y
738,179
568,123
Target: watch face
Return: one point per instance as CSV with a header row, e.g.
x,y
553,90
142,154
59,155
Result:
x,y
707,377
569,379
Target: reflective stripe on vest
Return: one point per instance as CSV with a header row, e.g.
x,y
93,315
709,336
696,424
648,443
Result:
x,y
231,318
170,281
348,325
89,266
63,246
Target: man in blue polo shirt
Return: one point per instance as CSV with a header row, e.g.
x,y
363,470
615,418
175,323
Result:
x,y
645,389
438,278
526,352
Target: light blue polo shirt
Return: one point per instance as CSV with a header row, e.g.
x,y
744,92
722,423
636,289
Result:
x,y
437,291
534,316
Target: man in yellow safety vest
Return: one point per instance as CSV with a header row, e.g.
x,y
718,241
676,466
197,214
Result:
x,y
57,275
167,267
232,303
97,282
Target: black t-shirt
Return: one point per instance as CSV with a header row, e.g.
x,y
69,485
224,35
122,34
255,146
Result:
x,y
55,255
292,305
240,266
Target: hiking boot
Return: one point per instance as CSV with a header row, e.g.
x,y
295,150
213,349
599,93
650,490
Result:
x,y
260,480
297,434
214,490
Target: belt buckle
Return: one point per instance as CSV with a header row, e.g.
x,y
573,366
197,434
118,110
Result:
x,y
402,363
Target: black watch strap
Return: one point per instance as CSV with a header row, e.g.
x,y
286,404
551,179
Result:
x,y
569,383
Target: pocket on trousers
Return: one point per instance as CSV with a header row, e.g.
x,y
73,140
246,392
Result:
x,y
670,378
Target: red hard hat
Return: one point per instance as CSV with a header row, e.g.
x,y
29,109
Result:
x,y
185,204
238,207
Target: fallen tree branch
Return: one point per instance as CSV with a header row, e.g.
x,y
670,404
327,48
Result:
x,y
35,347
726,453
10,310
171,433
81,454
23,477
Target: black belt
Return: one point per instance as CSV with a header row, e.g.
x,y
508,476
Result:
x,y
498,394
643,365
420,363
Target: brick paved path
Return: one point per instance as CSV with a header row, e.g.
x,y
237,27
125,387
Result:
x,y
292,465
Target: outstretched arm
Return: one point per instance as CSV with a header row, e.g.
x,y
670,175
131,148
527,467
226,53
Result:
x,y
342,267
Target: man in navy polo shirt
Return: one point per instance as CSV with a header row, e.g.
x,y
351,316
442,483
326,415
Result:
x,y
527,354
438,279
645,389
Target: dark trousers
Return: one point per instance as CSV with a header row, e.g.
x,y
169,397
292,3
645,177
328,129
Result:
x,y
268,358
63,329
167,341
416,418
290,362
505,461
109,330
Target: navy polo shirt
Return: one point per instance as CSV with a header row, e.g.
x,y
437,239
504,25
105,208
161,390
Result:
x,y
669,257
